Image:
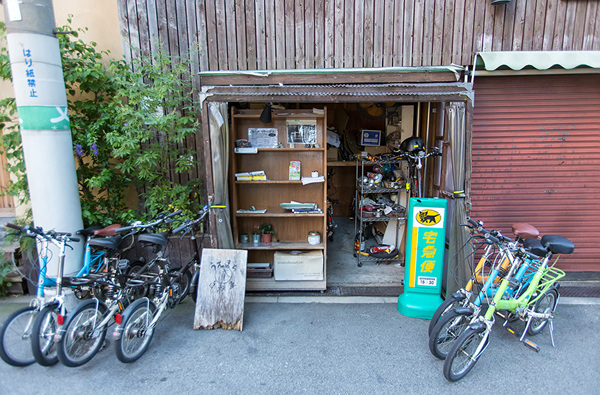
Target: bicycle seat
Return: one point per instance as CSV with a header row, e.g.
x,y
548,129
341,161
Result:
x,y
108,231
108,243
558,244
535,247
525,231
153,238
87,232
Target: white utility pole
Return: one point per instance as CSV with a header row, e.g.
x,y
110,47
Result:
x,y
44,122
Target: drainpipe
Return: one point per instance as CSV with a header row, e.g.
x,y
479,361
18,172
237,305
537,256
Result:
x,y
44,123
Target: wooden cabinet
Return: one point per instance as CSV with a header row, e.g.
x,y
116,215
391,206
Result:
x,y
291,230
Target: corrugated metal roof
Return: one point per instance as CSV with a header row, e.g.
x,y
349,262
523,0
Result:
x,y
536,159
540,60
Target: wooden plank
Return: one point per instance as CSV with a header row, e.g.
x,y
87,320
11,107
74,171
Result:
x,y
580,17
367,58
210,52
220,34
378,33
152,19
408,30
300,39
596,39
388,34
428,32
228,33
240,35
438,32
457,36
171,6
528,33
163,31
538,28
134,35
509,26
418,20
497,34
570,27
124,29
280,33
590,22
519,26
290,21
478,26
488,27
270,38
447,36
350,59
339,17
262,24
320,39
309,34
221,289
359,34
550,19
251,35
329,55
468,29
559,26
182,29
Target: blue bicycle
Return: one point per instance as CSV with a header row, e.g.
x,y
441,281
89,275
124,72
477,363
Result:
x,y
27,335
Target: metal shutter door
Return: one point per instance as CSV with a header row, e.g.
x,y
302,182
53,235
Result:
x,y
536,159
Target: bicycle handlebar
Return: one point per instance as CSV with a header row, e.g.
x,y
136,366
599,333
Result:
x,y
139,225
190,223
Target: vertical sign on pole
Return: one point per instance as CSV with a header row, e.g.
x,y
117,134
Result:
x,y
41,100
426,239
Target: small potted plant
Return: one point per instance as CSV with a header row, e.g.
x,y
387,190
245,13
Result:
x,y
267,233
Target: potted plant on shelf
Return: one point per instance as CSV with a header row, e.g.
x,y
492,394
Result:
x,y
267,233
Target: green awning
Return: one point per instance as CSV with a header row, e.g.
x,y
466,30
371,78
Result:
x,y
540,60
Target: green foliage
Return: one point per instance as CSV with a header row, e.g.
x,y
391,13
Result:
x,y
129,124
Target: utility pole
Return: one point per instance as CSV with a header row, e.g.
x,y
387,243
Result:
x,y
44,122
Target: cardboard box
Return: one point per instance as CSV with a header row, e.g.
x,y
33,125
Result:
x,y
302,267
377,150
332,154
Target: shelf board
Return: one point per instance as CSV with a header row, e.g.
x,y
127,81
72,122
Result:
x,y
285,115
284,150
281,245
265,182
279,214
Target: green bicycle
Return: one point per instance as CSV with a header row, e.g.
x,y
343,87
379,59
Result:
x,y
535,306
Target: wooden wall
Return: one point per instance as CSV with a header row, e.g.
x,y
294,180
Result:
x,y
296,34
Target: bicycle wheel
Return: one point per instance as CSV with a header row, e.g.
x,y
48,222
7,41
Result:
x,y
447,305
184,285
15,334
448,329
136,336
461,357
42,336
82,337
545,304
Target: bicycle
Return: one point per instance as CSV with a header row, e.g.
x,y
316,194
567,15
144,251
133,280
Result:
x,y
535,305
24,336
82,332
452,323
136,327
413,151
525,234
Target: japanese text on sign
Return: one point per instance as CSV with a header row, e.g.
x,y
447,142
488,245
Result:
x,y
30,73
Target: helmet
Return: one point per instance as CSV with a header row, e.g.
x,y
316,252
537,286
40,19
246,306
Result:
x,y
412,144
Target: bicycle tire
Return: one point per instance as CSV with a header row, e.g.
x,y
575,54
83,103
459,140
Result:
x,y
78,344
446,332
184,285
15,334
135,335
546,303
447,305
42,336
461,358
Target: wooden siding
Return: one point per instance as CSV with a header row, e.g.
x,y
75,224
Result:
x,y
297,34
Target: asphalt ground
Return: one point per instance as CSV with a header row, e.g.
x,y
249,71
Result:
x,y
330,345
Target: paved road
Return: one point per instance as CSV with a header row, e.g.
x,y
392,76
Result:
x,y
345,348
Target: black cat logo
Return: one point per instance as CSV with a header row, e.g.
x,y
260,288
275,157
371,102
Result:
x,y
428,217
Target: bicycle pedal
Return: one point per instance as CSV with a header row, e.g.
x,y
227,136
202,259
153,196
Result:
x,y
105,345
531,345
513,331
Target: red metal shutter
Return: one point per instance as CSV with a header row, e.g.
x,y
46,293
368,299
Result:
x,y
536,159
